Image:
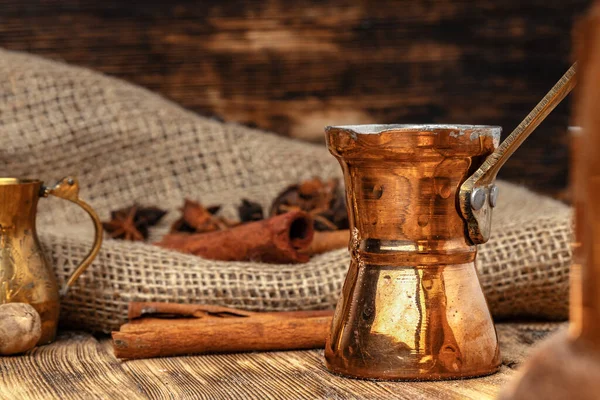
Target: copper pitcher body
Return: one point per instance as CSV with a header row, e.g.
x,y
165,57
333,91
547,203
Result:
x,y
25,274
411,306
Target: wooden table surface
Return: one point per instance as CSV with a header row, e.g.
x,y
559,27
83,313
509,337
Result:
x,y
81,366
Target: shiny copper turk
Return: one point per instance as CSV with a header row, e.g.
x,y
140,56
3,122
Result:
x,y
420,198
411,306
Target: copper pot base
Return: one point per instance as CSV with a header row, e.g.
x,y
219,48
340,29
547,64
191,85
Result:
x,y
416,378
413,323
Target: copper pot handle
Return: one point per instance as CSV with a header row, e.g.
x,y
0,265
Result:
x,y
68,188
478,194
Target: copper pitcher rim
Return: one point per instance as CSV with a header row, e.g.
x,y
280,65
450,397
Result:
x,y
375,129
11,181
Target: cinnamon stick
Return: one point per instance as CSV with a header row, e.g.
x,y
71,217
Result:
x,y
324,241
278,239
217,330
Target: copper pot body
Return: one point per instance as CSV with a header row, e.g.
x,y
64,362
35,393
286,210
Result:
x,y
411,306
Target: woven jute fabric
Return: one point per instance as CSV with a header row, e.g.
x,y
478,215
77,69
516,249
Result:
x,y
128,145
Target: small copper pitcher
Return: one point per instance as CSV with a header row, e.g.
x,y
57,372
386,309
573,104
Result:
x,y
25,275
412,306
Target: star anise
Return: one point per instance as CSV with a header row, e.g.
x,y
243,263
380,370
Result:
x,y
131,223
195,218
250,211
325,201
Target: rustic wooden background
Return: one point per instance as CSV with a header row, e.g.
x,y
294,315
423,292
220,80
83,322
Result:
x,y
295,66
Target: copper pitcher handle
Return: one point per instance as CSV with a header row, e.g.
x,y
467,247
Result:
x,y
478,194
68,188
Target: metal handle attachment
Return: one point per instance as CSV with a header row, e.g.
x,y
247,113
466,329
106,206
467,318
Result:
x,y
68,188
478,194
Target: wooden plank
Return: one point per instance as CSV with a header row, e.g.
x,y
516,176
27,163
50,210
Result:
x,y
295,67
76,366
302,375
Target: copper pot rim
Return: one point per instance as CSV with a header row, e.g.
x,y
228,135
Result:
x,y
375,129
13,181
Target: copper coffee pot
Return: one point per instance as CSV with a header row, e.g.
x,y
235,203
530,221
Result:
x,y
25,275
420,198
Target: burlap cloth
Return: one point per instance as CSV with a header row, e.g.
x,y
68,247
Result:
x,y
129,145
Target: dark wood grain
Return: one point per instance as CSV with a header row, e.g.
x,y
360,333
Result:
x,y
294,67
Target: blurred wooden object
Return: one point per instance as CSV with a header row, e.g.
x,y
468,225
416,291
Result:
x,y
585,282
294,67
568,364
